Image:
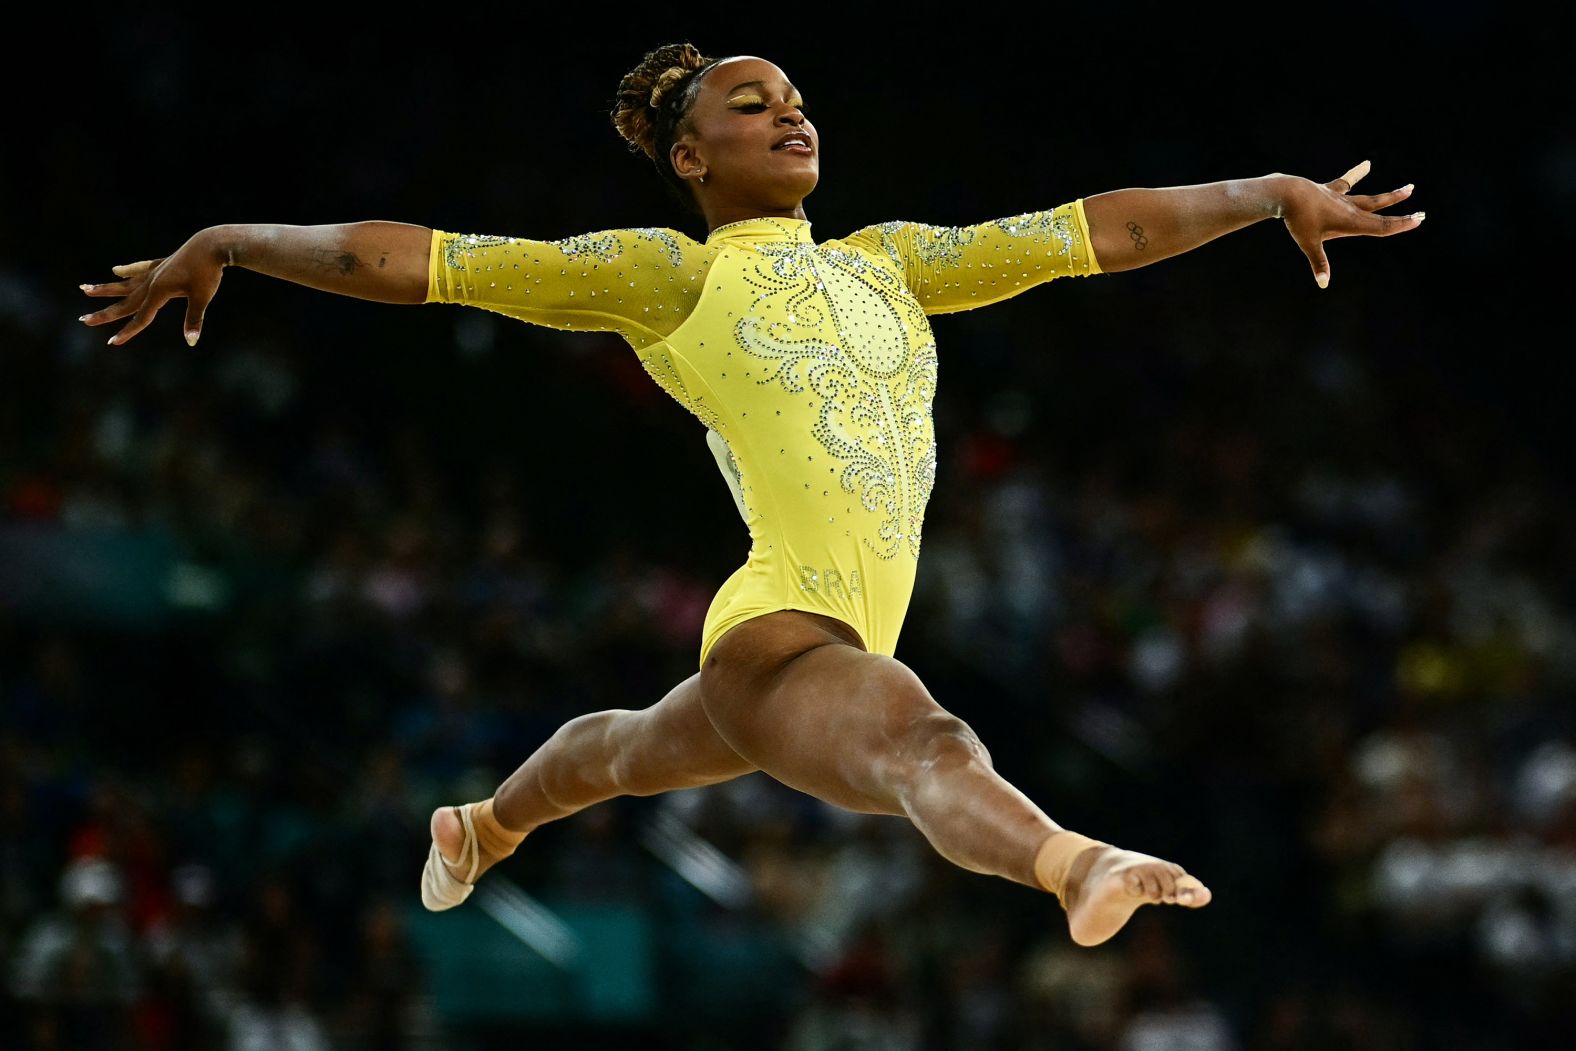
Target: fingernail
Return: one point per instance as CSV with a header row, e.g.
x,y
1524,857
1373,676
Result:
x,y
1324,280
1419,216
191,339
112,339
84,317
1408,186
86,288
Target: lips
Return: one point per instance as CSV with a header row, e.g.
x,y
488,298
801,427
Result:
x,y
794,142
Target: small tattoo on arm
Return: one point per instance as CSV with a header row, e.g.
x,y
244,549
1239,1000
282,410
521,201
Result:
x,y
345,263
1136,232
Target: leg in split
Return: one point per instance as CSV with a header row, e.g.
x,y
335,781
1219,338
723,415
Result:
x,y
796,695
595,757
813,709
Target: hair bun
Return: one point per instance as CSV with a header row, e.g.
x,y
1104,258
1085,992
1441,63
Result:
x,y
646,109
671,76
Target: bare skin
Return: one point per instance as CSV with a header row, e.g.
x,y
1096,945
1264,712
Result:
x,y
897,752
794,694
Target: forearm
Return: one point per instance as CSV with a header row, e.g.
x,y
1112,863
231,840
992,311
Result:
x,y
1135,227
382,261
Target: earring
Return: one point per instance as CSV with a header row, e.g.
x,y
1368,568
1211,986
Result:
x,y
702,178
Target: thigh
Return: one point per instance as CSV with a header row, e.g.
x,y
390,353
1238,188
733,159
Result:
x,y
677,733
831,719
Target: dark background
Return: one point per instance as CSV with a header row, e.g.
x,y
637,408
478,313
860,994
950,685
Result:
x,y
157,126
266,602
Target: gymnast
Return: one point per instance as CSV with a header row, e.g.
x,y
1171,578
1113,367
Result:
x,y
812,366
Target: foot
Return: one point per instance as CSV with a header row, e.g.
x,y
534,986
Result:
x,y
1107,884
493,841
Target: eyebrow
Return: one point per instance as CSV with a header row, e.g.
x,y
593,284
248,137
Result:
x,y
759,84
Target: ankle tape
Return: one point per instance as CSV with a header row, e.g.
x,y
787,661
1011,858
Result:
x,y
1055,858
492,837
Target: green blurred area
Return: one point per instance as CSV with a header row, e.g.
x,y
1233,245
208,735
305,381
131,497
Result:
x,y
481,972
634,966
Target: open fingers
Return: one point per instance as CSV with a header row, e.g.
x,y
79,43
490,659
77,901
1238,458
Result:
x,y
1349,179
1370,225
133,276
1385,225
197,301
1372,202
135,269
1366,225
1313,248
110,288
113,312
145,313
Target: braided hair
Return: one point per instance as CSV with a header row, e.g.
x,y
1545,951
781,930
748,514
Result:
x,y
652,108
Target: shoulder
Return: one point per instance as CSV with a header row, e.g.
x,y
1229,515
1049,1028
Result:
x,y
658,244
879,232
884,238
638,244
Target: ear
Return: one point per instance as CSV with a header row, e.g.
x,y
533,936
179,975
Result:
x,y
686,160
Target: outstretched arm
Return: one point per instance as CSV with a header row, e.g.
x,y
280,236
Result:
x,y
1132,228
382,261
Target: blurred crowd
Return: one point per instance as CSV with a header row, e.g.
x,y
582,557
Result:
x,y
1290,612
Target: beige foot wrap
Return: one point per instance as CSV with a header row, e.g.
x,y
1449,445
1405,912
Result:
x,y
1056,856
439,889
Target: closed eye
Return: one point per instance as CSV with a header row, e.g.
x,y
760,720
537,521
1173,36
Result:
x,y
758,106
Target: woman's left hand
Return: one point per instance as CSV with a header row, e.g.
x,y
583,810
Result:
x,y
1316,212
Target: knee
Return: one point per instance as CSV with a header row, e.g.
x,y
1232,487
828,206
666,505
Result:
x,y
937,743
595,734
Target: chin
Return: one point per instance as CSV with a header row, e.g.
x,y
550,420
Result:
x,y
786,186
800,188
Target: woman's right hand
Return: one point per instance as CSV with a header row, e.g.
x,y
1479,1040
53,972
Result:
x,y
193,273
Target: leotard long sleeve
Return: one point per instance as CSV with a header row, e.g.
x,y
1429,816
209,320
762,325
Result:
x,y
811,365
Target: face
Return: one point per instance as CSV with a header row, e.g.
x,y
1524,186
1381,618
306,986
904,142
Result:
x,y
742,111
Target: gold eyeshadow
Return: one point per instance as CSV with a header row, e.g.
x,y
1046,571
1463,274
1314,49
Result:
x,y
756,100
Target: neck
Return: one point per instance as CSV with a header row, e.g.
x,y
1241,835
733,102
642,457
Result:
x,y
722,214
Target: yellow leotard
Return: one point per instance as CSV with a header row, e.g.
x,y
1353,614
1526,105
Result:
x,y
811,364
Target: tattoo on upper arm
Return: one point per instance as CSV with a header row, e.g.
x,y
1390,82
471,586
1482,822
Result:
x,y
1136,232
344,263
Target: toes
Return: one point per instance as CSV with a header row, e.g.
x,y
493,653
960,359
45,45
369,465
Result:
x,y
448,834
1149,880
1191,892
1168,886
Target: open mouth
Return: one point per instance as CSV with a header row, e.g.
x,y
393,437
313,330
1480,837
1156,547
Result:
x,y
796,142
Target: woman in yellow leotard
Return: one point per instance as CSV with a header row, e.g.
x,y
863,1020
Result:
x,y
812,366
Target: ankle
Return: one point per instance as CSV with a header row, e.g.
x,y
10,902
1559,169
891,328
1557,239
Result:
x,y
493,838
1054,864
